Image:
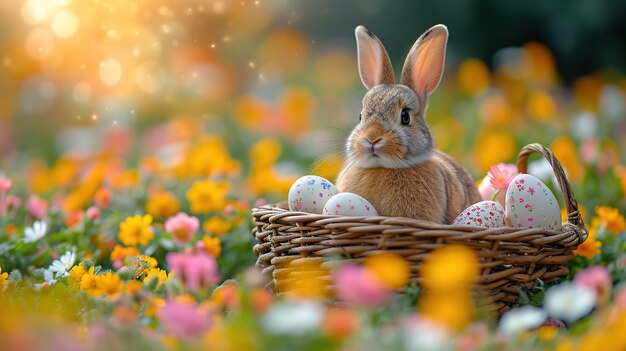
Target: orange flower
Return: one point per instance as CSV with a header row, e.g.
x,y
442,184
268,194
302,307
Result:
x,y
162,205
261,299
591,247
3,278
339,323
216,226
565,151
120,253
611,219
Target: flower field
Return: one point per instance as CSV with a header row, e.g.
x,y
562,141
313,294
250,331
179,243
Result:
x,y
135,138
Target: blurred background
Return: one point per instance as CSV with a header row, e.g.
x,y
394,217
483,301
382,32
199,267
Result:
x,y
142,82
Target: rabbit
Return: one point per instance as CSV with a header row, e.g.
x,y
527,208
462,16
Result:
x,y
391,158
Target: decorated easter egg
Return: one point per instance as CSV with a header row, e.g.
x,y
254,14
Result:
x,y
530,204
349,204
487,214
310,193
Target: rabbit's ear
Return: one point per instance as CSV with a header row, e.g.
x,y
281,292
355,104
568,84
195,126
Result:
x,y
424,65
374,64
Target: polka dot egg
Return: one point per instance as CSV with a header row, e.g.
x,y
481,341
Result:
x,y
310,193
486,214
349,204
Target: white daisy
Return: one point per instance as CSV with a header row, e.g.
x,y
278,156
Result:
x,y
36,232
521,319
48,276
293,318
61,266
422,334
569,302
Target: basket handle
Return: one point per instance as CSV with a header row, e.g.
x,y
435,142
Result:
x,y
574,219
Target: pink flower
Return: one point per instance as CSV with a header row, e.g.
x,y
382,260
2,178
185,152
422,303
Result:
x,y
9,204
501,175
37,207
182,227
486,191
93,213
185,320
497,179
5,184
596,278
357,285
195,270
589,150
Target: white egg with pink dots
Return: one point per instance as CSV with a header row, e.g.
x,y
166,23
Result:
x,y
349,204
530,204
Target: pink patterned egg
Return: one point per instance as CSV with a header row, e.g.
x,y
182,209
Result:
x,y
530,204
486,214
349,204
310,193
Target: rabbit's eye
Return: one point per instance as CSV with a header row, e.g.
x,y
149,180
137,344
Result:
x,y
405,118
360,117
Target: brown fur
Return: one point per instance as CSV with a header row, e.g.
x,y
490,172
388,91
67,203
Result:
x,y
429,191
393,164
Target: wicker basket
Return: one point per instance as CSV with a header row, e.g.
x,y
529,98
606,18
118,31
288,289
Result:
x,y
510,258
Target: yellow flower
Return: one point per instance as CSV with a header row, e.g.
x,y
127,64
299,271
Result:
x,y
216,226
109,284
126,179
142,263
75,274
136,230
591,247
210,157
212,246
3,278
304,278
265,152
206,196
541,106
162,205
89,282
494,146
611,219
161,275
448,275
330,166
473,76
450,267
392,270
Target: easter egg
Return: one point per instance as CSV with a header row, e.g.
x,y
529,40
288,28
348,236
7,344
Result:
x,y
310,193
487,214
349,204
530,204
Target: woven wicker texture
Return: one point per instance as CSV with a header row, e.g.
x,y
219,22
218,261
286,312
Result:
x,y
510,258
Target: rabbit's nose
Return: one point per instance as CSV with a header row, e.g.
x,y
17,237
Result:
x,y
375,141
